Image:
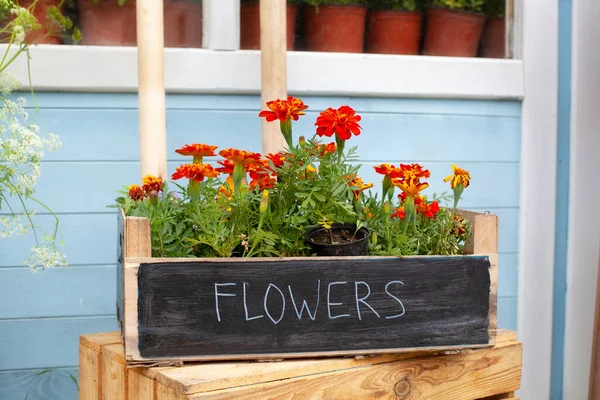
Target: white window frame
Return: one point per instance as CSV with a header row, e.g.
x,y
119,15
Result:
x,y
532,77
226,69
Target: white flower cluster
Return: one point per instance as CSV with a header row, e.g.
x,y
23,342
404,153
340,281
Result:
x,y
48,256
21,152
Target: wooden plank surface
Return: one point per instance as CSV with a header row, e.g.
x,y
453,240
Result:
x,y
466,376
90,374
114,373
140,387
265,309
478,374
207,377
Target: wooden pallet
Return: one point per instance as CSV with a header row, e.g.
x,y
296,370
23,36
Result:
x,y
486,374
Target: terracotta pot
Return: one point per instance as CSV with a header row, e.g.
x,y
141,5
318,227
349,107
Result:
x,y
106,23
250,25
183,23
39,12
394,32
452,33
493,38
337,28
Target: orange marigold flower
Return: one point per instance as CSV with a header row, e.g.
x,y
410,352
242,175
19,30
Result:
x,y
419,201
196,172
411,187
262,182
358,183
328,148
459,176
342,122
282,110
227,167
398,213
151,183
240,156
136,193
227,189
197,150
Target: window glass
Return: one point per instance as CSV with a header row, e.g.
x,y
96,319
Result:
x,y
113,22
458,28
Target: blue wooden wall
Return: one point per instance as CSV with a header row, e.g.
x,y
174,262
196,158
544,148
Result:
x,y
42,314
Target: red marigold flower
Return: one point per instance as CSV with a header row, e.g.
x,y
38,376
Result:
x,y
257,171
342,122
196,172
240,156
262,182
282,110
430,210
197,150
278,159
150,184
136,193
398,213
227,167
413,171
388,170
459,226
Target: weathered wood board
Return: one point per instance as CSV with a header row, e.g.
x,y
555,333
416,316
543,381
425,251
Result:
x,y
485,374
226,309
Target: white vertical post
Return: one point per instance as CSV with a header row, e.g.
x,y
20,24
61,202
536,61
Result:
x,y
151,87
538,194
273,46
221,24
584,221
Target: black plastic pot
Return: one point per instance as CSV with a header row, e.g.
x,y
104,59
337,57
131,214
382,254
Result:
x,y
358,247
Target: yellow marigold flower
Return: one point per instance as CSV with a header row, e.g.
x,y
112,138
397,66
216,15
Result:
x,y
458,177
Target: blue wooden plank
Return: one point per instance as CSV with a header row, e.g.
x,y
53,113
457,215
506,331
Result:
x,y
90,239
71,291
492,185
87,188
507,313
38,384
47,342
507,274
251,102
101,134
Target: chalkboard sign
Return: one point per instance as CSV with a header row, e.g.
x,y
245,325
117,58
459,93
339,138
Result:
x,y
216,310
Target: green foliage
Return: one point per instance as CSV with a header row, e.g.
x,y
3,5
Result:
x,y
406,5
465,5
494,8
314,187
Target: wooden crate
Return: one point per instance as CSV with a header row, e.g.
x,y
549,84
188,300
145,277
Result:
x,y
489,374
170,310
